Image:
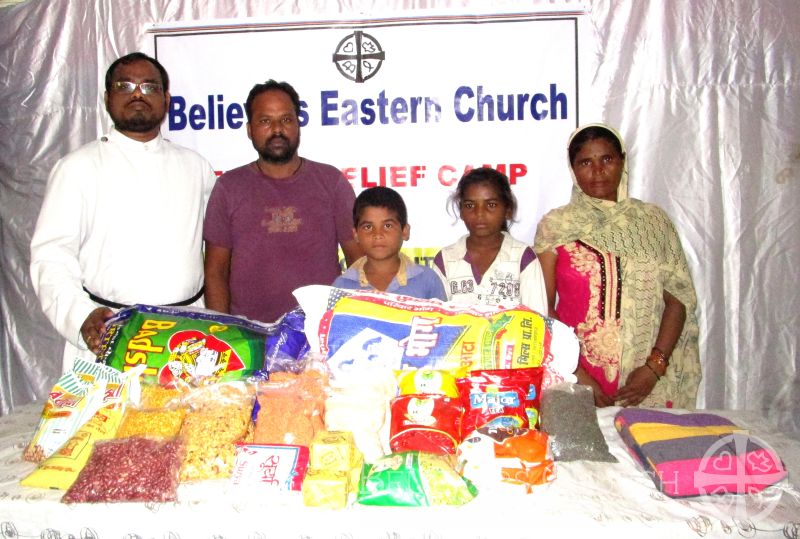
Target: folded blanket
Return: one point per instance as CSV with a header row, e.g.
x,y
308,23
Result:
x,y
695,453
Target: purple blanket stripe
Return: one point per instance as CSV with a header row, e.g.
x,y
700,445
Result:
x,y
699,446
643,415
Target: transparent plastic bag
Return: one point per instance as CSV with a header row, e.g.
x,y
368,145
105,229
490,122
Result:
x,y
570,418
219,417
129,470
290,407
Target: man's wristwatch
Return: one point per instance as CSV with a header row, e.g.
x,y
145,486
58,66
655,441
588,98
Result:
x,y
658,361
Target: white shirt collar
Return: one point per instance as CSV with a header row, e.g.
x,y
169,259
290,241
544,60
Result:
x,y
130,144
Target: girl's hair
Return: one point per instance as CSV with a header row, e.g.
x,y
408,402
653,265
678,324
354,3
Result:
x,y
489,176
593,132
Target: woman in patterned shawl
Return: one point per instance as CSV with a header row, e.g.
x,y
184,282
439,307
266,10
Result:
x,y
618,270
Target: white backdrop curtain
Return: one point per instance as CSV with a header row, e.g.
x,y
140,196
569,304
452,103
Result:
x,y
704,92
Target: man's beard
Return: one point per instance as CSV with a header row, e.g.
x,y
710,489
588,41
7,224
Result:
x,y
138,123
278,157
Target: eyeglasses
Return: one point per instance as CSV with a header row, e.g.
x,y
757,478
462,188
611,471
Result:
x,y
128,87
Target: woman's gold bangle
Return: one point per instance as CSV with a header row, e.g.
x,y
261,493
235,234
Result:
x,y
659,358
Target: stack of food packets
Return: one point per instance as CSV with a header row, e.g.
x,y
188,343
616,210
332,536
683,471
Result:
x,y
142,463
96,415
394,382
334,472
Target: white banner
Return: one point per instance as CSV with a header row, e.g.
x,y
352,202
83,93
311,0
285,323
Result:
x,y
410,103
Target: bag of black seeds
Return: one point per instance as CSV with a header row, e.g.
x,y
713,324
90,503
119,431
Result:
x,y
569,417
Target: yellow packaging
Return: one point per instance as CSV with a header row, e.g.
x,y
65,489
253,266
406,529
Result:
x,y
428,382
71,402
333,450
326,488
355,474
61,469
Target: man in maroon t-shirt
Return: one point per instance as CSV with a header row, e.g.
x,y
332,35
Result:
x,y
275,224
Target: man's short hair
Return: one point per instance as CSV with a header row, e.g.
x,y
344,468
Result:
x,y
271,84
135,57
380,197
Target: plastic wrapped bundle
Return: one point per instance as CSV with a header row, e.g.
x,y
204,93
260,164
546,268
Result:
x,y
160,424
694,454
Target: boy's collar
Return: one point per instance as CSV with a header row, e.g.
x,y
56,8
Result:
x,y
402,272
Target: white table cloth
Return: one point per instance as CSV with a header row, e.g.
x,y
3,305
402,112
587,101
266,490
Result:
x,y
599,499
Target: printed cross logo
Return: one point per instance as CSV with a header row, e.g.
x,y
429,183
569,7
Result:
x,y
359,57
741,464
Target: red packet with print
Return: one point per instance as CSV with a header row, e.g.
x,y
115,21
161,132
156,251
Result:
x,y
430,423
531,378
500,398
